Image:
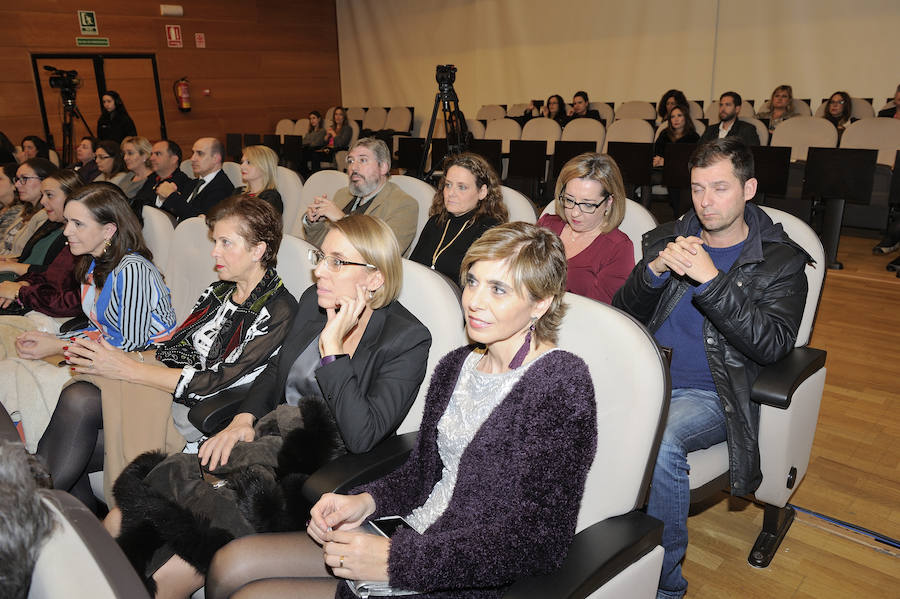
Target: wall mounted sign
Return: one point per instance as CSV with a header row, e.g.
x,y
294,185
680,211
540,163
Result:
x,y
87,21
173,36
92,42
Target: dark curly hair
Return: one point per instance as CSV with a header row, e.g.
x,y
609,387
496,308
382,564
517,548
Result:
x,y
492,205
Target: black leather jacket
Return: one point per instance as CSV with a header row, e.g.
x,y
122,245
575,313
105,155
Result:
x,y
752,314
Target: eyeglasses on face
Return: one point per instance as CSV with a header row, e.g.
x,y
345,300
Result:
x,y
585,207
836,101
24,180
332,263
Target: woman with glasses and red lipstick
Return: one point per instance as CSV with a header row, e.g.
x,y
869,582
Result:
x,y
590,205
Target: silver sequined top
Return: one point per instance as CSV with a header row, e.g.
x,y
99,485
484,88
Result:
x,y
475,397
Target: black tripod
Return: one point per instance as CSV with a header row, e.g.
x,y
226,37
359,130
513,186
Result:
x,y
70,112
454,121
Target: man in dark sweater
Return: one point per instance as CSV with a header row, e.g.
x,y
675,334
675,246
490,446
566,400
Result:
x,y
725,288
729,124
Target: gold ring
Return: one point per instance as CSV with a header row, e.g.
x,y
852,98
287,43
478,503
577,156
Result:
x,y
341,565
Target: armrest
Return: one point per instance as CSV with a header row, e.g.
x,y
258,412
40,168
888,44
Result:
x,y
777,382
8,430
213,414
597,554
354,469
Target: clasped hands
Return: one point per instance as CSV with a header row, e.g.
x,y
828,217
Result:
x,y
323,208
686,257
350,553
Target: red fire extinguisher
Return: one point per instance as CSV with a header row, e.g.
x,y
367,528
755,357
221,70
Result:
x,y
182,90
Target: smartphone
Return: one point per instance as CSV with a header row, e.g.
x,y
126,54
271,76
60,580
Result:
x,y
389,525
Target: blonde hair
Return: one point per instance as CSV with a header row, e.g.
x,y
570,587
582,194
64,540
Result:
x,y
377,244
141,144
604,170
537,264
266,159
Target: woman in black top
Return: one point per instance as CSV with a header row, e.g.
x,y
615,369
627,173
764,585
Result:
x,y
468,203
679,130
838,111
258,168
114,123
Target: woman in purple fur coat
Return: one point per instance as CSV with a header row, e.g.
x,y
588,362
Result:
x,y
493,487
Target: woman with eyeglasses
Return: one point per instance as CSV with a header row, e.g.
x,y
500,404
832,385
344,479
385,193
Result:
x,y
44,261
838,111
139,400
350,367
469,201
28,181
590,205
111,164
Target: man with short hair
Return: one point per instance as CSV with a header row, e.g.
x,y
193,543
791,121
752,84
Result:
x,y
729,124
369,192
165,160
725,288
210,186
580,110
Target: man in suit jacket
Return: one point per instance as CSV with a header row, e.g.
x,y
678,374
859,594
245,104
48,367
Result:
x,y
892,112
165,157
369,192
580,109
210,186
729,124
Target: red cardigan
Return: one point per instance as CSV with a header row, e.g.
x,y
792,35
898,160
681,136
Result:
x,y
600,269
53,291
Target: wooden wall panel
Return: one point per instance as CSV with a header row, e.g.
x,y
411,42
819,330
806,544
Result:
x,y
264,60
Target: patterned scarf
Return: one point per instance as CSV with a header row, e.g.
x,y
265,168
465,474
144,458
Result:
x,y
179,351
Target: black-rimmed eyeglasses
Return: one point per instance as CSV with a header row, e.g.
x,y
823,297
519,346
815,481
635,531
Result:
x,y
332,263
585,207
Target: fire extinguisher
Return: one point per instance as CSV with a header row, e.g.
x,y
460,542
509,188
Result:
x,y
182,90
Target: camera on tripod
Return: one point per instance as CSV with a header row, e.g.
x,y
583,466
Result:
x,y
67,82
445,75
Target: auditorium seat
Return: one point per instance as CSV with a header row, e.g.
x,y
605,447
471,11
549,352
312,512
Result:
x,y
475,128
398,119
801,132
190,267
630,130
520,208
158,234
80,559
520,109
374,119
504,130
233,172
635,109
542,128
490,112
284,127
356,113
585,130
606,111
697,112
290,186
882,134
789,393
323,182
761,129
301,127
424,194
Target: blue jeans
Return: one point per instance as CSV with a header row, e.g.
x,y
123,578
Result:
x,y
696,421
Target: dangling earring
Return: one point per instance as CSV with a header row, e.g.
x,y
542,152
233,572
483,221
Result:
x,y
526,347
106,245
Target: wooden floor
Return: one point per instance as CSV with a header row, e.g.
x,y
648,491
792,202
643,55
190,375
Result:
x,y
854,470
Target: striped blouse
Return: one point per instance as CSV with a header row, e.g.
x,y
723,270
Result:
x,y
134,308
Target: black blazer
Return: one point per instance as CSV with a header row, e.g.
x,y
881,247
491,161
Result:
x,y
146,196
212,193
369,394
741,129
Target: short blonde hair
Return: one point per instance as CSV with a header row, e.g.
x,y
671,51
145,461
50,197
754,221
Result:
x,y
141,144
595,167
537,264
377,244
266,159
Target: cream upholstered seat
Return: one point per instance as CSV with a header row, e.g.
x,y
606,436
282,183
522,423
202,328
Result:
x,y
490,112
520,208
504,130
542,128
635,109
801,132
424,194
158,234
301,127
789,393
882,134
585,130
631,130
290,186
606,111
322,182
375,118
284,127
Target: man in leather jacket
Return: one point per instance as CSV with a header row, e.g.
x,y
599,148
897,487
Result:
x,y
724,287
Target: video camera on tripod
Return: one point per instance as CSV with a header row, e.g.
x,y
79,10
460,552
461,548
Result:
x,y
454,121
67,82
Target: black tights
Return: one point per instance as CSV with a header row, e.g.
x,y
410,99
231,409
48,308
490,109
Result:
x,y
72,445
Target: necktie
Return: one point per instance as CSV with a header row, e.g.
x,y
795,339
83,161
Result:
x,y
197,187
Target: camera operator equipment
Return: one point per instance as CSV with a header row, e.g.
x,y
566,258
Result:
x,y
454,121
67,82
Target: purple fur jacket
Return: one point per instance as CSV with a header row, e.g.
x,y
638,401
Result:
x,y
518,489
